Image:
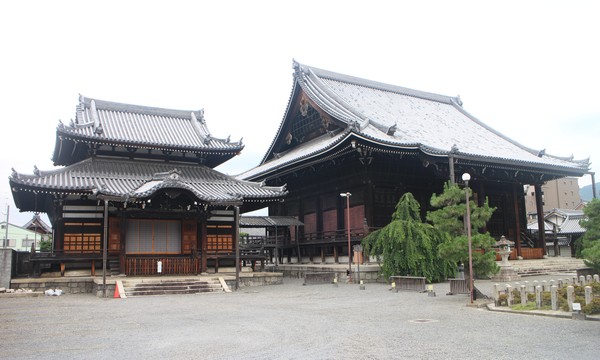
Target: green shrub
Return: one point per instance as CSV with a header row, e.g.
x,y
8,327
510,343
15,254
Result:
x,y
592,308
503,300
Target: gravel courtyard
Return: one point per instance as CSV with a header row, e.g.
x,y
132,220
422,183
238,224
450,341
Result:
x,y
288,321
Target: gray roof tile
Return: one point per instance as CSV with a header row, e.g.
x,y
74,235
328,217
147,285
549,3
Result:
x,y
140,179
429,122
111,122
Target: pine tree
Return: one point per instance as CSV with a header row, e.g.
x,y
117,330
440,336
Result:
x,y
449,219
407,245
591,238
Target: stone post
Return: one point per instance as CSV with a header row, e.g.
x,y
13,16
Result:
x,y
574,280
497,294
544,285
523,295
538,296
588,279
559,283
534,286
596,278
588,295
509,295
554,296
570,296
582,280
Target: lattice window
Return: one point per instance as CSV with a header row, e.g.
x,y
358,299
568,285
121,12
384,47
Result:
x,y
219,238
82,237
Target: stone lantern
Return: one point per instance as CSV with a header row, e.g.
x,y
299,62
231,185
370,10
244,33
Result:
x,y
506,273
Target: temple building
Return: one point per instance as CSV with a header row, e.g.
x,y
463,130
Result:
x,y
139,182
373,142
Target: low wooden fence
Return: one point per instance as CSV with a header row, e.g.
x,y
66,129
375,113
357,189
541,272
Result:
x,y
414,283
535,253
526,253
169,266
459,286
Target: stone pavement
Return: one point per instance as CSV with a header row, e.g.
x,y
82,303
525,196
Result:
x,y
287,321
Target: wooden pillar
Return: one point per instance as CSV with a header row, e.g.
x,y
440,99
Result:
x,y
369,206
236,238
59,236
104,247
517,208
203,246
123,245
540,217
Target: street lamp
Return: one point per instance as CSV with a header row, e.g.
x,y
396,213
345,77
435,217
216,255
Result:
x,y
466,177
347,196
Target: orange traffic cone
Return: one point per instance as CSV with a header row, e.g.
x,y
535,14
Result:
x,y
117,295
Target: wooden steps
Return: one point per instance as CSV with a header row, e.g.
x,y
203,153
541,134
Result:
x,y
145,287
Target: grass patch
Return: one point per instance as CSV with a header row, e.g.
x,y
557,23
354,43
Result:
x,y
526,307
529,306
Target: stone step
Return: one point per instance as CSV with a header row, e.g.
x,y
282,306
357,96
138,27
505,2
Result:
x,y
170,287
546,266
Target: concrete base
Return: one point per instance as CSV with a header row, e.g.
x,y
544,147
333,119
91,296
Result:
x,y
506,273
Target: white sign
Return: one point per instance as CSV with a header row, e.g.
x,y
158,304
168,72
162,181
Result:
x,y
576,307
159,267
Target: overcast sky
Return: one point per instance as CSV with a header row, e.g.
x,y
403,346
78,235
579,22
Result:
x,y
529,69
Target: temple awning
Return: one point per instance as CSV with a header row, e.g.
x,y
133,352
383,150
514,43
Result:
x,y
130,181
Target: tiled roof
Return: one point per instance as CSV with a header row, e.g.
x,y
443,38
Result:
x,y
106,122
38,224
405,118
569,222
128,179
269,221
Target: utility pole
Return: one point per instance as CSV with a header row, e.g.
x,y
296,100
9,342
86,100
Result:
x,y
6,229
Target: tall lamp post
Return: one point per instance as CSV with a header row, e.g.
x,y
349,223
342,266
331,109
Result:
x,y
347,196
466,177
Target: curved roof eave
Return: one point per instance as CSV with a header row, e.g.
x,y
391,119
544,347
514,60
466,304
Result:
x,y
235,146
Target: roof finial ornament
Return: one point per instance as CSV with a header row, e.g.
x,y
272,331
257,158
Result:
x,y
458,100
541,153
99,130
200,117
454,149
207,139
72,123
36,171
392,129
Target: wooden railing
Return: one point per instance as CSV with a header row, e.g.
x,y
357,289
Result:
x,y
537,253
170,265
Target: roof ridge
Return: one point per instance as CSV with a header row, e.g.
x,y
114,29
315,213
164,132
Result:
x,y
141,109
378,85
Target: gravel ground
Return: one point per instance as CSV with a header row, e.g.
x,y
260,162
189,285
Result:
x,y
288,321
